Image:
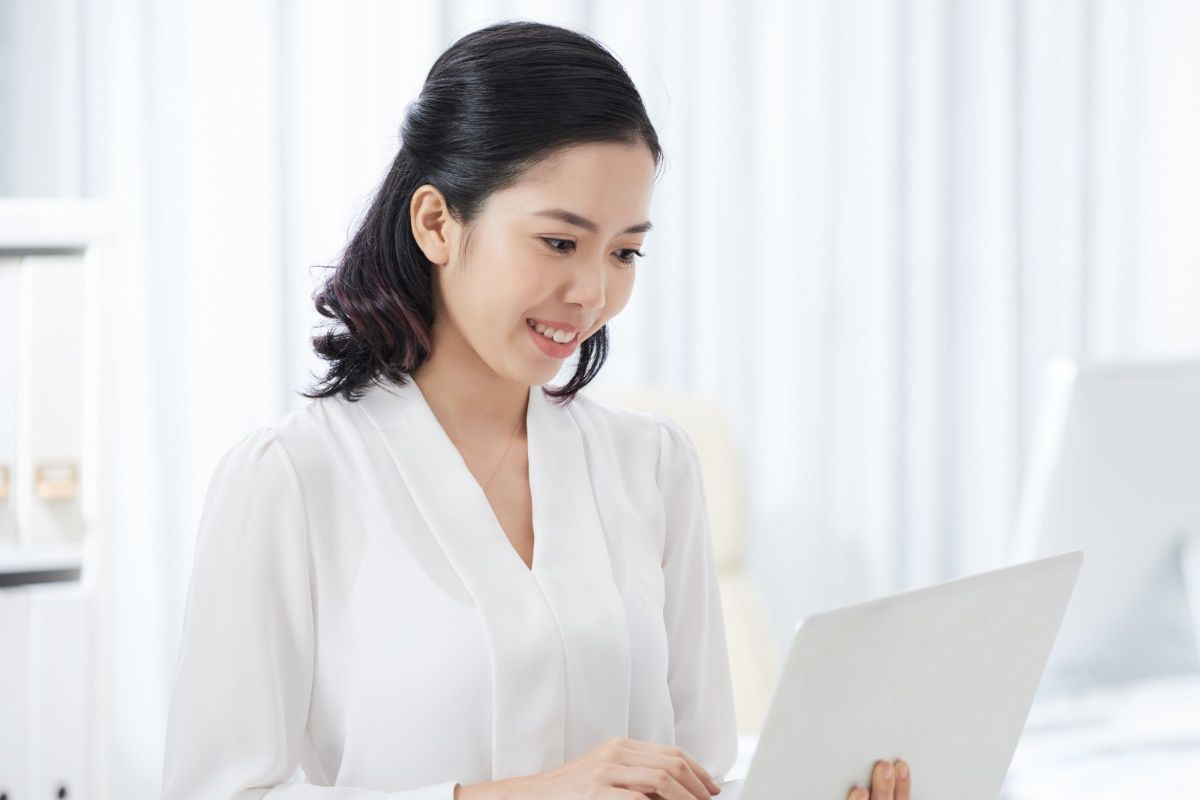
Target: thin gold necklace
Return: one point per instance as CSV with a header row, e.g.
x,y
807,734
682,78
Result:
x,y
502,455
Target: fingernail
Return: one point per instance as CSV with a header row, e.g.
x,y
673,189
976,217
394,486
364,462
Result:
x,y
886,771
902,770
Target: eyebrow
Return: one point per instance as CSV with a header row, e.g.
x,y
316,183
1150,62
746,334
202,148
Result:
x,y
574,219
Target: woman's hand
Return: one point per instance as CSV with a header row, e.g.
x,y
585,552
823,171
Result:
x,y
619,769
889,781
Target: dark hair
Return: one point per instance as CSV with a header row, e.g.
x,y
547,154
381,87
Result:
x,y
499,101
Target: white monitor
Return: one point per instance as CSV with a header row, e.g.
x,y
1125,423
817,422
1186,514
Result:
x,y
1114,471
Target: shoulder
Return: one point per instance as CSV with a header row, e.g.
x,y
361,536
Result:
x,y
257,459
293,442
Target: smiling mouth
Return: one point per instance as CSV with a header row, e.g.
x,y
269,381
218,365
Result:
x,y
559,337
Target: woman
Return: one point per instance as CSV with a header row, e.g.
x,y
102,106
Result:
x,y
441,579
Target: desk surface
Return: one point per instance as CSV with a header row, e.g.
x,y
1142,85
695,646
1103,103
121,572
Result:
x,y
1129,741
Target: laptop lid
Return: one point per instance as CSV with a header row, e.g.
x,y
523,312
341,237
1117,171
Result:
x,y
942,676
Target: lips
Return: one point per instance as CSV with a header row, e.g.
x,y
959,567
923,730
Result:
x,y
551,347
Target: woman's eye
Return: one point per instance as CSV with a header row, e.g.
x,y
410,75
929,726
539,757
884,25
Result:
x,y
553,243
625,256
632,254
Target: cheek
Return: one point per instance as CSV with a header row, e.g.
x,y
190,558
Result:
x,y
497,289
619,292
485,312
501,305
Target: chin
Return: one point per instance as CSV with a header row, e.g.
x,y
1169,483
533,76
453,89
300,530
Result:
x,y
545,375
530,376
543,379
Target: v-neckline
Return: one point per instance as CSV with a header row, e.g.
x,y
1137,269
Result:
x,y
531,567
558,632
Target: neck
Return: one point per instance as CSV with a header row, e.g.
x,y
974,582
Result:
x,y
469,399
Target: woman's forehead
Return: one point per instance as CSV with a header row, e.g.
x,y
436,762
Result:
x,y
597,189
595,160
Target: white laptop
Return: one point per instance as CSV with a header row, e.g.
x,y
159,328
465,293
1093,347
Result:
x,y
942,676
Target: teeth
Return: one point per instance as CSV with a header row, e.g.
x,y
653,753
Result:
x,y
562,337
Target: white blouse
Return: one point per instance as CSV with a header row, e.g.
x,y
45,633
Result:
x,y
356,609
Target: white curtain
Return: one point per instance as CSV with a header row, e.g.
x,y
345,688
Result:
x,y
877,222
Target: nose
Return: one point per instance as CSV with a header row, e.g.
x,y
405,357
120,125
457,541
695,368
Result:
x,y
587,283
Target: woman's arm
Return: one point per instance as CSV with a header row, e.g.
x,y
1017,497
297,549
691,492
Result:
x,y
240,702
698,675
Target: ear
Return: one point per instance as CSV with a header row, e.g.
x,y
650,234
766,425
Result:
x,y
434,228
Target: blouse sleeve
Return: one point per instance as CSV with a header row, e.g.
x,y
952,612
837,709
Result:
x,y
698,674
240,701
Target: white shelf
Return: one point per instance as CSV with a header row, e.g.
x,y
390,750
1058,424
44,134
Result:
x,y
70,624
22,564
70,223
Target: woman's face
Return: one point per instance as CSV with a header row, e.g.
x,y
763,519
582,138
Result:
x,y
555,249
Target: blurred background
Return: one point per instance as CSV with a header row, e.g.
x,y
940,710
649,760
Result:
x,y
878,225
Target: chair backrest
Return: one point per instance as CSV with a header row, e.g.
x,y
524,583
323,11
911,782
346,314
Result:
x,y
720,461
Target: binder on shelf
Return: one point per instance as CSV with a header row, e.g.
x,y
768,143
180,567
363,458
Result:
x,y
50,406
14,692
59,691
10,342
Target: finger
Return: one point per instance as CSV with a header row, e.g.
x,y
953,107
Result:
x,y
883,781
651,779
903,780
667,749
677,766
858,793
